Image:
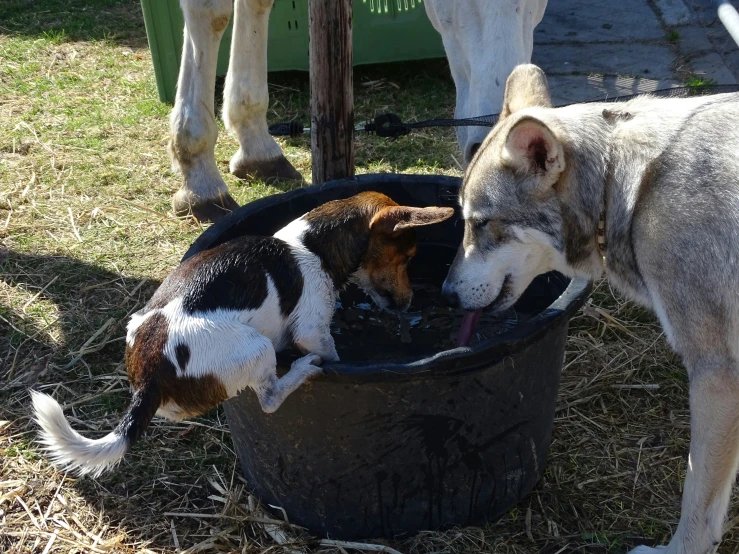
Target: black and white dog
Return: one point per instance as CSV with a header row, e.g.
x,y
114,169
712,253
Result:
x,y
214,325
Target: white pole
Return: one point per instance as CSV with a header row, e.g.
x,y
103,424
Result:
x,y
730,18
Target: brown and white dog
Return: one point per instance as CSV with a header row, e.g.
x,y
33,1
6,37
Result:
x,y
214,325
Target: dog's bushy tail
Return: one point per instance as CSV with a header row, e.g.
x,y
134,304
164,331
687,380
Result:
x,y
84,456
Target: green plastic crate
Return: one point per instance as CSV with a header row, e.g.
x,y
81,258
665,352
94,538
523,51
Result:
x,y
383,31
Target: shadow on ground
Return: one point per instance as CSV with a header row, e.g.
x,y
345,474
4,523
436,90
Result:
x,y
118,21
84,298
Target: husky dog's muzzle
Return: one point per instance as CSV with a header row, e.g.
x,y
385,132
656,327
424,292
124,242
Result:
x,y
451,296
476,282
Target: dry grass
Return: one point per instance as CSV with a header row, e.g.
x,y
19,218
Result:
x,y
87,234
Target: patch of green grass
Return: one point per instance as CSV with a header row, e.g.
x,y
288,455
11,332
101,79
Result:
x,y
612,541
55,36
673,36
698,81
24,449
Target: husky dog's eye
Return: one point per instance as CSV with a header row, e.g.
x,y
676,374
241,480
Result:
x,y
480,223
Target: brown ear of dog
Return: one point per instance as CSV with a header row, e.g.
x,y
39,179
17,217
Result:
x,y
525,87
396,218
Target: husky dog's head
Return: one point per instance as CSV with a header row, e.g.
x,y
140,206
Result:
x,y
513,218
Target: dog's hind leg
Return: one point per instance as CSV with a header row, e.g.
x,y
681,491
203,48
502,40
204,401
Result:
x,y
216,350
239,357
272,391
713,459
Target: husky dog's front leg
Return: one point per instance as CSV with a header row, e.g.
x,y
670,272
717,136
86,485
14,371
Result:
x,y
713,460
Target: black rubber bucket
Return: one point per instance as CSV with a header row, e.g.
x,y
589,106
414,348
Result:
x,y
382,449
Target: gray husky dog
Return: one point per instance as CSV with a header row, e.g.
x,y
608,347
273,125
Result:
x,y
647,191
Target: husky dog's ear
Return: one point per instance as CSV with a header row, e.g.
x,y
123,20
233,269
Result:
x,y
397,218
526,87
531,147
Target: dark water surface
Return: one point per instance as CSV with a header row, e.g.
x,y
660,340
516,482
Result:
x,y
364,332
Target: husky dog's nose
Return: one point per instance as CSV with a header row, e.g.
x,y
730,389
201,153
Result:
x,y
450,297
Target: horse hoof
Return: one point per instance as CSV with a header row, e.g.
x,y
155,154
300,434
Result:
x,y
204,210
278,169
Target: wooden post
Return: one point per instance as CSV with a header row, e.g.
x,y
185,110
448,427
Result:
x,y
332,95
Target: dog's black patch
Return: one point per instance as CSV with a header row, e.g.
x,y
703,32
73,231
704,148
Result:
x,y
544,222
233,276
155,380
182,352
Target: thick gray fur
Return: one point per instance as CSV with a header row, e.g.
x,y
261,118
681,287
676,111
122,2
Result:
x,y
664,175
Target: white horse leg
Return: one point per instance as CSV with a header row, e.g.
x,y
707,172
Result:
x,y
193,124
246,97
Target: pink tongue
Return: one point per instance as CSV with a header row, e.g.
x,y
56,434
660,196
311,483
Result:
x,y
469,321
